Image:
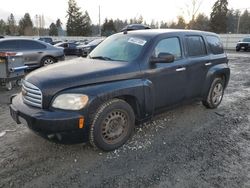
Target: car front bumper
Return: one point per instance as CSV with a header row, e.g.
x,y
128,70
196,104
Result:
x,y
48,122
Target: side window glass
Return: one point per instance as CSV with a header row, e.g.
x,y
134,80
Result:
x,y
31,45
215,45
195,46
169,45
8,45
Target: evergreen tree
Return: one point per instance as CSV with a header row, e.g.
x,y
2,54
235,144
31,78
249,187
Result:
x,y
108,28
232,20
77,23
181,23
11,25
201,23
163,25
26,25
53,30
86,24
244,22
58,23
2,27
218,16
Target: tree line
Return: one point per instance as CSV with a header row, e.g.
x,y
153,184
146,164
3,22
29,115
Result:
x,y
221,20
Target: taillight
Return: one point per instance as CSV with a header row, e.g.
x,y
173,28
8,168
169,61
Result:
x,y
6,54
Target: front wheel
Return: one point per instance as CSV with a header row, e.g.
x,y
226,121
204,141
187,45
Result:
x,y
215,94
112,125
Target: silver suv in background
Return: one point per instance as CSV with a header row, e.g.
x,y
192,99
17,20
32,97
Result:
x,y
35,53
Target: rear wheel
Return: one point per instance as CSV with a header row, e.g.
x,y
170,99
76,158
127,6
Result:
x,y
112,125
215,94
47,61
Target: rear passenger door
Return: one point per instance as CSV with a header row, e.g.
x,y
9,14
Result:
x,y
32,51
197,67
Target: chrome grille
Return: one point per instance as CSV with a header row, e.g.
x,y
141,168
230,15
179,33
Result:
x,y
32,95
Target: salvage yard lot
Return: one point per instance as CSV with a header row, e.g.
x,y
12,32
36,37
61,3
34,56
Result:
x,y
189,146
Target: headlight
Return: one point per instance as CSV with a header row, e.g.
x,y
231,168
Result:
x,y
70,101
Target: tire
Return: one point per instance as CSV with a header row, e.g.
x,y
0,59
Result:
x,y
112,125
237,49
47,61
215,94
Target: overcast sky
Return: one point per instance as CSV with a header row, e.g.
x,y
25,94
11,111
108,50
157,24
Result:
x,y
156,9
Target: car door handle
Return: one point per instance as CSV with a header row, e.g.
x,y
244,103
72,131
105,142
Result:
x,y
180,69
208,64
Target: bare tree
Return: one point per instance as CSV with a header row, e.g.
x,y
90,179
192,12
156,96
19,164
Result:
x,y
192,10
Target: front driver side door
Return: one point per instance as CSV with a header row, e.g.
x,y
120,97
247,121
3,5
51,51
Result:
x,y
168,79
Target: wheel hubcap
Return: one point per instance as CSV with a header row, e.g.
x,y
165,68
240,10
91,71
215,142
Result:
x,y
114,126
217,93
48,62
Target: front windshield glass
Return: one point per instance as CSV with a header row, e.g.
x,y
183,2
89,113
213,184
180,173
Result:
x,y
246,40
119,48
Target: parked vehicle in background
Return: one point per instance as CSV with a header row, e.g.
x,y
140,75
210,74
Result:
x,y
128,78
56,42
243,45
35,52
46,39
135,27
70,48
84,50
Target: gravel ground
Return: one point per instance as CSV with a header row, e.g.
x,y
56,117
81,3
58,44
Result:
x,y
189,146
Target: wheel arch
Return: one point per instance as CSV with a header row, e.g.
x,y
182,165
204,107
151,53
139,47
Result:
x,y
47,56
221,71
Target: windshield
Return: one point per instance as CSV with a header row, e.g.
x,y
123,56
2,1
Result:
x,y
246,40
119,48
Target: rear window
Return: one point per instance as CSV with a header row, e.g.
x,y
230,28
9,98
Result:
x,y
215,45
195,46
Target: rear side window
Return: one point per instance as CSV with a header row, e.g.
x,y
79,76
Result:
x,y
215,45
30,45
8,45
195,46
169,45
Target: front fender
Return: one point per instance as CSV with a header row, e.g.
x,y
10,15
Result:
x,y
213,72
138,89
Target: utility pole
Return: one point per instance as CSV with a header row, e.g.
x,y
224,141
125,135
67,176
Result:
x,y
100,30
238,25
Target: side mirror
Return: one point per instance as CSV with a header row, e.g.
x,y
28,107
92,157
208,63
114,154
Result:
x,y
163,58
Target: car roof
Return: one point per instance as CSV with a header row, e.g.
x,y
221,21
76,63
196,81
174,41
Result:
x,y
5,39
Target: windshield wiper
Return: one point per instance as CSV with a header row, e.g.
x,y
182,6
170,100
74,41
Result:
x,y
101,57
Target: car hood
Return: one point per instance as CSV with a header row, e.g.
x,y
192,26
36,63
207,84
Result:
x,y
85,46
80,72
